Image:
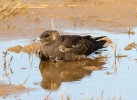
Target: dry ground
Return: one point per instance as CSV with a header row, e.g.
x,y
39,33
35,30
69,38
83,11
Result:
x,y
37,15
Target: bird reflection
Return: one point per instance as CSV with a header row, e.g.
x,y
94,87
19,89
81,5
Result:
x,y
54,73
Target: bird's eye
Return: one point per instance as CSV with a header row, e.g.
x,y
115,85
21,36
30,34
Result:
x,y
46,35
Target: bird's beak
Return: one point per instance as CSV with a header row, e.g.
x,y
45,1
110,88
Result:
x,y
37,39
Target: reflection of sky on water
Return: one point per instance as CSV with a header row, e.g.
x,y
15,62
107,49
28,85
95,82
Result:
x,y
123,81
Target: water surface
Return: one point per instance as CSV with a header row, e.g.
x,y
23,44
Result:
x,y
72,78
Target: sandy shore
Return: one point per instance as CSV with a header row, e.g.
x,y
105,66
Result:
x,y
108,15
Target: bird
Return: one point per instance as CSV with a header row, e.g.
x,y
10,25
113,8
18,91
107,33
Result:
x,y
56,47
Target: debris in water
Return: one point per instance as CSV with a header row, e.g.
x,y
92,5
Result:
x,y
130,46
92,68
23,68
108,73
15,49
20,86
34,47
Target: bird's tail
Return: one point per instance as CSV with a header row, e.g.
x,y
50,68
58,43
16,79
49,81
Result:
x,y
97,38
99,43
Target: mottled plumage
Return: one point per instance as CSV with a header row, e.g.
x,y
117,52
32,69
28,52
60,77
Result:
x,y
67,47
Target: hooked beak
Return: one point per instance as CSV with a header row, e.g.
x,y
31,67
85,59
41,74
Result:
x,y
36,39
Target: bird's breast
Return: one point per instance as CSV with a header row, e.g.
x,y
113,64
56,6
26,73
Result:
x,y
50,50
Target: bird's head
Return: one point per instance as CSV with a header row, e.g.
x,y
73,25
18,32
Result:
x,y
48,37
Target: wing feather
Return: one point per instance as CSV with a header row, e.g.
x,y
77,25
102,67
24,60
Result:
x,y
76,44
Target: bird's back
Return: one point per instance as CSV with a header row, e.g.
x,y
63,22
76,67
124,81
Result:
x,y
81,45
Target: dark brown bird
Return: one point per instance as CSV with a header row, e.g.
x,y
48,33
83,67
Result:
x,y
67,47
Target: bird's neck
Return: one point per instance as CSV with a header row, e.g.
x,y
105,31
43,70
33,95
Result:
x,y
53,43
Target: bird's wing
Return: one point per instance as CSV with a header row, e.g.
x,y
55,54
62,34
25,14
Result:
x,y
75,44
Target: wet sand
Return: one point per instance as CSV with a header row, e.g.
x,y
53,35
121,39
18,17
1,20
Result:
x,y
10,89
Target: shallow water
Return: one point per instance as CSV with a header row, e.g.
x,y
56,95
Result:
x,y
71,78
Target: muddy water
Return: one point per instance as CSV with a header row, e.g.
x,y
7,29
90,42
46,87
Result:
x,y
115,77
